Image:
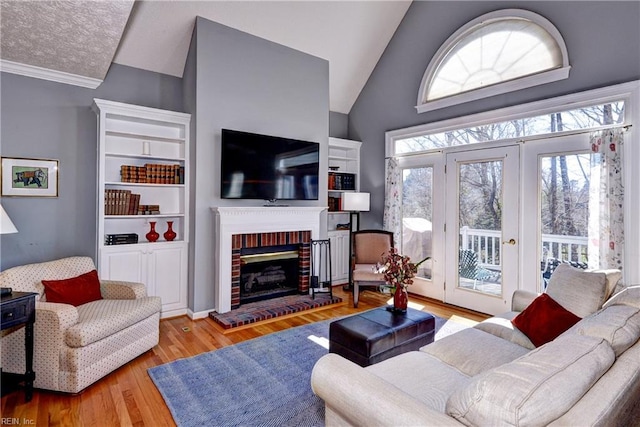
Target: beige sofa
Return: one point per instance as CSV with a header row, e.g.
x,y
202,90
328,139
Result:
x,y
492,374
76,346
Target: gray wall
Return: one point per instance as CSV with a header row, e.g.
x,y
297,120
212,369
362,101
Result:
x,y
47,120
338,125
602,39
239,81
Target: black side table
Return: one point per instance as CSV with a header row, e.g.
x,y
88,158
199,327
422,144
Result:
x,y
19,309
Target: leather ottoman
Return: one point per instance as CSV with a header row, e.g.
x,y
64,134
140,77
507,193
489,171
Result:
x,y
375,335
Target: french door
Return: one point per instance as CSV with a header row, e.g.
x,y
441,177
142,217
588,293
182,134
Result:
x,y
481,228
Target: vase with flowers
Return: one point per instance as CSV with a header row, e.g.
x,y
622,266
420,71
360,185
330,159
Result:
x,y
399,272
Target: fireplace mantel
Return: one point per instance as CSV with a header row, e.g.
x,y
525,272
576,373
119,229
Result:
x,y
244,220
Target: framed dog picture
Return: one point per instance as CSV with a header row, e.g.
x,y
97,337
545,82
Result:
x,y
29,177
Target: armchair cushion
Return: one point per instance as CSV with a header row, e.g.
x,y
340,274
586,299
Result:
x,y
101,319
75,290
367,273
544,320
115,289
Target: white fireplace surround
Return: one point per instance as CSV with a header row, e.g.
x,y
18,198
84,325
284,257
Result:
x,y
246,220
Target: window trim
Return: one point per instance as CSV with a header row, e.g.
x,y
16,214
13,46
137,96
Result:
x,y
629,91
536,79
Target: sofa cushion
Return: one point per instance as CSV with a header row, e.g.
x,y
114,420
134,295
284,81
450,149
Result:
x,y
628,295
473,351
535,389
581,292
103,318
618,324
422,376
502,327
75,290
612,277
544,320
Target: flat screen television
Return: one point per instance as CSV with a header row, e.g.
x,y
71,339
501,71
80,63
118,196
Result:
x,y
267,167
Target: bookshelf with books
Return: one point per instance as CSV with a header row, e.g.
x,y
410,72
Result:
x,y
343,176
143,178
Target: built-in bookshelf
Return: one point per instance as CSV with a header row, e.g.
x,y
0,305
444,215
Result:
x,y
143,179
343,177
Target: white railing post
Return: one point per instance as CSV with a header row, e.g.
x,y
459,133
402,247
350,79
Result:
x,y
464,231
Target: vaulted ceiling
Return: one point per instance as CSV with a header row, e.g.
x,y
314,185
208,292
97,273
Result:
x,y
78,40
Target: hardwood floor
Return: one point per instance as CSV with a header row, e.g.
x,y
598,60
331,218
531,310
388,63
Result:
x,y
127,396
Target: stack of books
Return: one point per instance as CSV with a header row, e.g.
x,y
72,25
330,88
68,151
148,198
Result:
x,y
148,209
120,239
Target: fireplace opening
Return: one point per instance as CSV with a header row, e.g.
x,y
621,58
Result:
x,y
269,272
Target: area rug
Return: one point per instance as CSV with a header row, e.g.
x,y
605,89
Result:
x,y
261,382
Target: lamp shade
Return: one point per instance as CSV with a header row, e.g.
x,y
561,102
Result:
x,y
355,202
6,225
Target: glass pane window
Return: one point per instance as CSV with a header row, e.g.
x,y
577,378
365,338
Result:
x,y
493,53
417,208
564,211
480,204
576,119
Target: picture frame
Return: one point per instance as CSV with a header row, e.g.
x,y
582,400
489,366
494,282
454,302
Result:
x,y
28,177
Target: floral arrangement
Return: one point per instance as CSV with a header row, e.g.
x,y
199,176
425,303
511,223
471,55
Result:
x,y
398,269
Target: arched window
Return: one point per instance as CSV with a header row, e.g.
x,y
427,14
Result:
x,y
499,52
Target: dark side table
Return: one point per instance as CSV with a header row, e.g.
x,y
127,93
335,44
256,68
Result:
x,y
19,309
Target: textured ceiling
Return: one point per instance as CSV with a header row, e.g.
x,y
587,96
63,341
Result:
x,y
82,37
76,37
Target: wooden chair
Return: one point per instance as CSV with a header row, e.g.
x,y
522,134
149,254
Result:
x,y
369,247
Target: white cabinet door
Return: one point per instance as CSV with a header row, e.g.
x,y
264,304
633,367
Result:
x,y
126,264
339,256
167,269
161,267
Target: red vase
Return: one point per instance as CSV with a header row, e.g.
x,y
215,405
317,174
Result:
x,y
169,235
400,299
152,235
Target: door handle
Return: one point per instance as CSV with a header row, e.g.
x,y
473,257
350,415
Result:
x,y
509,242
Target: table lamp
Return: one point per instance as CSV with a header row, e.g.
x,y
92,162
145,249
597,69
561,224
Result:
x,y
6,225
354,203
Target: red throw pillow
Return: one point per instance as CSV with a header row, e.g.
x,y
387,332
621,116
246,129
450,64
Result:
x,y
544,319
75,291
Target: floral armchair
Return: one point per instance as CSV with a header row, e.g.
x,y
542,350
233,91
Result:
x,y
74,346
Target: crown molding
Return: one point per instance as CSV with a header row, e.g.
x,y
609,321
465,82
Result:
x,y
47,74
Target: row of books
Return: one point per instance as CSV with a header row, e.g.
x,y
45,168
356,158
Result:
x,y
121,239
335,204
121,202
342,181
152,173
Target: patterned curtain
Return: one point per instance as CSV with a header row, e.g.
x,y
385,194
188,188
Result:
x,y
392,220
606,200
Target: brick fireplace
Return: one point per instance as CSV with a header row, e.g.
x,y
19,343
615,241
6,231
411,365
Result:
x,y
290,241
237,227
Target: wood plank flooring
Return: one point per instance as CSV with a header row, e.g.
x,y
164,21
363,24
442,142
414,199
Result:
x,y
128,397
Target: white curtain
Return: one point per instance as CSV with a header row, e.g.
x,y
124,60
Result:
x,y
606,200
392,220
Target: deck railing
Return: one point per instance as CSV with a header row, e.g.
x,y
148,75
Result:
x,y
486,243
